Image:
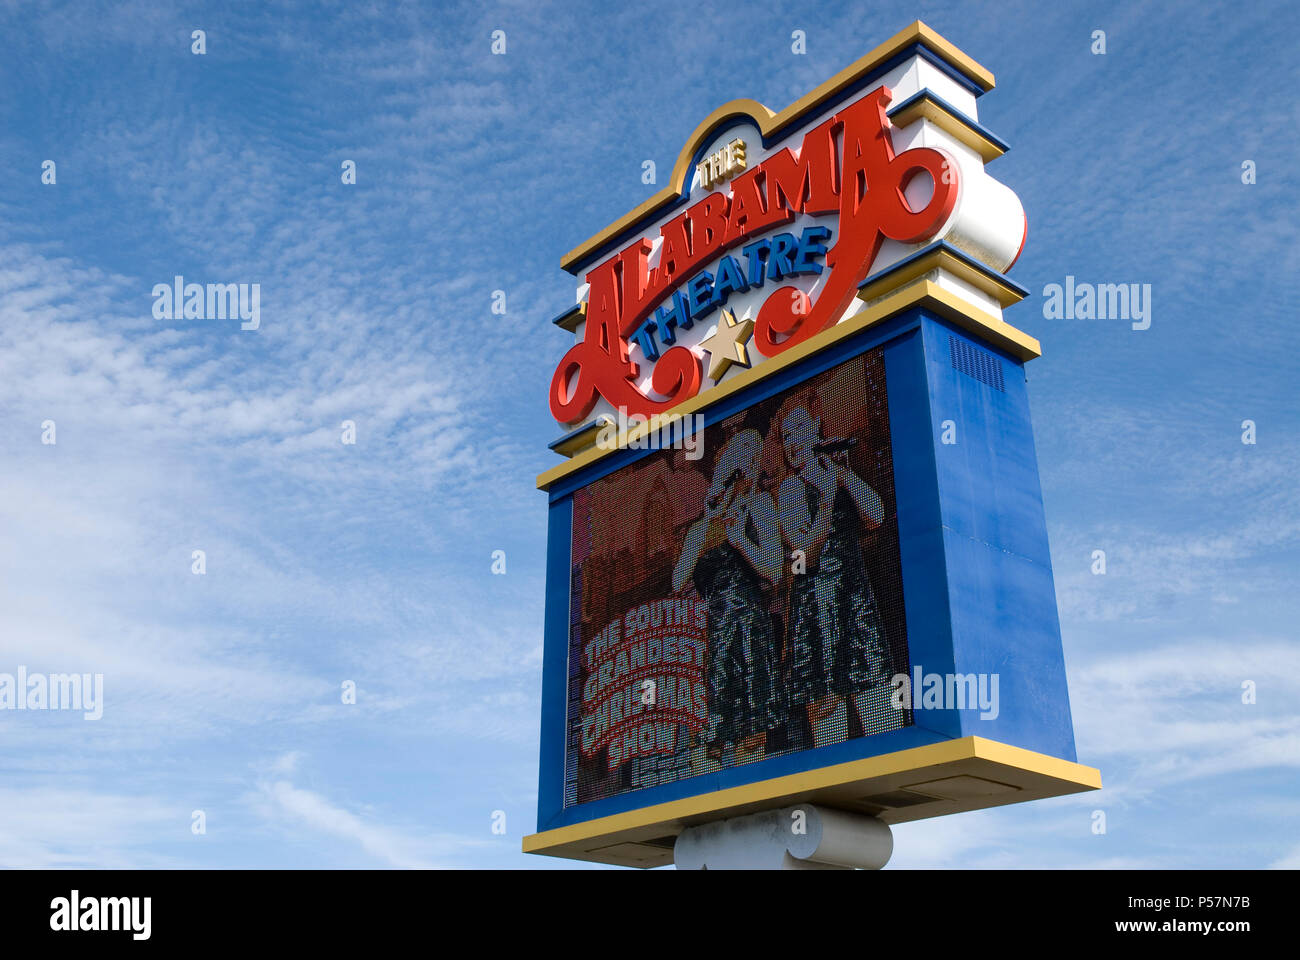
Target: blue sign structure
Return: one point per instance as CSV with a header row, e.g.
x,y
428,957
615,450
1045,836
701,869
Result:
x,y
826,578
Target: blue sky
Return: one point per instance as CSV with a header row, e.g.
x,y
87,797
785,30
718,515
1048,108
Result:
x,y
371,562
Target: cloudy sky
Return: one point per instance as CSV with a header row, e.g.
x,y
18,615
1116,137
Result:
x,y
370,563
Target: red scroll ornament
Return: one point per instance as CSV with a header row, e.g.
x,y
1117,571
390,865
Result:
x,y
869,184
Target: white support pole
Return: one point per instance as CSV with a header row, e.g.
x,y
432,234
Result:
x,y
800,837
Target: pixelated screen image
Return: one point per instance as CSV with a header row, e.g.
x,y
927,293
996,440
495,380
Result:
x,y
740,596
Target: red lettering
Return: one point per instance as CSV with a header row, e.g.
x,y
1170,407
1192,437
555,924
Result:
x,y
708,220
865,187
634,269
675,254
872,206
807,184
750,214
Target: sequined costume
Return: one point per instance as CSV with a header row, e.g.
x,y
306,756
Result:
x,y
837,638
745,695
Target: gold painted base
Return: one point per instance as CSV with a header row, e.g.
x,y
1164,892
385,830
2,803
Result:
x,y
931,781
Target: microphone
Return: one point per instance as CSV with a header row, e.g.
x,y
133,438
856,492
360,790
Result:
x,y
726,484
835,444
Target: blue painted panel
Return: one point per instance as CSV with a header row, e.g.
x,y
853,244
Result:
x,y
1002,600
920,535
1004,622
989,477
555,658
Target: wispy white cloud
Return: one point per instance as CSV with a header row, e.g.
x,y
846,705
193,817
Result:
x,y
1290,861
413,847
65,827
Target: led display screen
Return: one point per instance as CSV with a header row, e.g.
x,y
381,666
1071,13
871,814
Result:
x,y
738,596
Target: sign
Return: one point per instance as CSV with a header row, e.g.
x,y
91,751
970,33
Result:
x,y
796,548
698,646
818,202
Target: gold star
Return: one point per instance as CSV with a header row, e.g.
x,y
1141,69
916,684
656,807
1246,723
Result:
x,y
727,344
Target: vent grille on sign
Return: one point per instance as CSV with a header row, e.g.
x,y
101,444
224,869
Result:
x,y
976,363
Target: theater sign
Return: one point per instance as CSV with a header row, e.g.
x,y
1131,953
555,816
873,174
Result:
x,y
797,551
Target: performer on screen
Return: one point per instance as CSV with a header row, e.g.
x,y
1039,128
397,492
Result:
x,y
733,554
836,640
